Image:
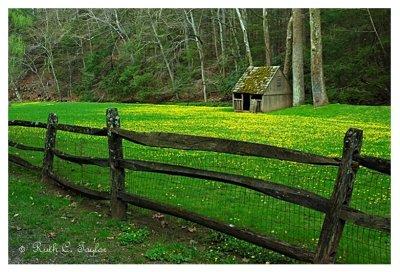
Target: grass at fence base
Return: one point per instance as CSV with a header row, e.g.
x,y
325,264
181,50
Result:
x,y
317,130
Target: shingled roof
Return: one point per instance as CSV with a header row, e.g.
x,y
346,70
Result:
x,y
255,80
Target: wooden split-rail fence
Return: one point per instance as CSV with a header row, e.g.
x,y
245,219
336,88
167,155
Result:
x,y
336,209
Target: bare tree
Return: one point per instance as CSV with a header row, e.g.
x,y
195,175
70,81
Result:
x,y
289,42
215,38
221,24
376,32
233,38
153,21
268,55
190,19
245,37
297,65
47,46
31,64
317,73
110,18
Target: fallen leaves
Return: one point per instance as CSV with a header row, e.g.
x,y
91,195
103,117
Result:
x,y
17,228
192,229
51,235
163,224
157,216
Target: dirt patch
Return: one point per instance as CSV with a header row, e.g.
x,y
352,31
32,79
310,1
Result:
x,y
37,88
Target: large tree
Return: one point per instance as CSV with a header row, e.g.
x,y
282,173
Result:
x,y
317,73
245,37
289,42
297,63
221,26
268,55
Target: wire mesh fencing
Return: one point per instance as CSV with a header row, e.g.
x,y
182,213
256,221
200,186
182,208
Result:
x,y
371,195
91,176
28,136
266,215
233,204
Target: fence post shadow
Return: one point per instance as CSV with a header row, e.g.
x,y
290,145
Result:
x,y
118,206
333,226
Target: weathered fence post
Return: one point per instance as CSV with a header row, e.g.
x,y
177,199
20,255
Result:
x,y
332,227
118,207
49,145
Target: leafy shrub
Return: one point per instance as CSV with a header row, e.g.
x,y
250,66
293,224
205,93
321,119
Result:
x,y
137,237
174,253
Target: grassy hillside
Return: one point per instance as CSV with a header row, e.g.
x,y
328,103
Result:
x,y
316,130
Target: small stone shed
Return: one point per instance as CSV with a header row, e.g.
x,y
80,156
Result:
x,y
262,89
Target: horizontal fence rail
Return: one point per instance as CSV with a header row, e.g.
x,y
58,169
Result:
x,y
23,163
189,142
289,194
377,164
335,215
80,189
21,123
241,233
82,160
25,147
63,127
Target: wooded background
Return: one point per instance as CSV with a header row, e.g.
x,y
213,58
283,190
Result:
x,y
157,55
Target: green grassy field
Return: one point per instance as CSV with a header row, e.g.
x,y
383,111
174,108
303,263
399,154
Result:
x,y
316,130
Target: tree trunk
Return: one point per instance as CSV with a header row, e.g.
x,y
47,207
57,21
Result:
x,y
317,73
160,45
49,52
268,55
190,18
297,66
53,70
215,39
221,39
34,69
376,32
189,58
289,41
235,49
245,38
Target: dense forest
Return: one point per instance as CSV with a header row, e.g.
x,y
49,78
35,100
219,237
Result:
x,y
157,55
